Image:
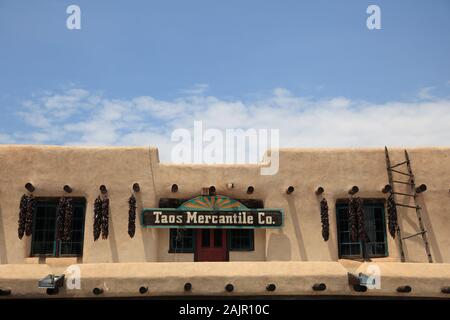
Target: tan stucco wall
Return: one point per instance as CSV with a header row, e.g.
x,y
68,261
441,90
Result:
x,y
85,169
292,278
50,168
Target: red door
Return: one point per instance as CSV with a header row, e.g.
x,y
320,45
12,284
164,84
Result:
x,y
211,245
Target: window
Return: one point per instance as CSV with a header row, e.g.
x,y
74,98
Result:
x,y
182,240
374,224
44,242
241,240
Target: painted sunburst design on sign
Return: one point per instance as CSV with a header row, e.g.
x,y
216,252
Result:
x,y
212,203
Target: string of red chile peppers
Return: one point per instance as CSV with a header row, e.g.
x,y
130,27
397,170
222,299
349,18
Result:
x,y
105,217
26,211
132,216
64,218
392,215
97,217
101,217
356,219
324,219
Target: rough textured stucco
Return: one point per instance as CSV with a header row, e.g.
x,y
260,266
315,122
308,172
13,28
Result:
x,y
85,169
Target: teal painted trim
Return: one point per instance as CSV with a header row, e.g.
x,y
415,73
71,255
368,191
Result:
x,y
365,205
53,204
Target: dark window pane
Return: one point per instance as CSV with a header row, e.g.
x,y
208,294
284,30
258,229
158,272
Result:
x,y
345,237
74,246
379,224
218,238
44,229
205,237
345,250
181,240
375,231
241,239
378,213
355,249
380,237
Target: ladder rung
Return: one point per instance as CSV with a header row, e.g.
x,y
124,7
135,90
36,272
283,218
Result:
x,y
399,164
404,173
407,206
413,235
403,182
404,194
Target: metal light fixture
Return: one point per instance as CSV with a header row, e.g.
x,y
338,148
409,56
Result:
x,y
445,289
51,281
358,282
5,292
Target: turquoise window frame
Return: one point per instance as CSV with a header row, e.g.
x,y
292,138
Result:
x,y
183,249
368,205
51,204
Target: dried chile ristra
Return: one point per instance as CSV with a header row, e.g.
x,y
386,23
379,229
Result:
x,y
353,219
360,218
132,216
31,204
60,215
392,215
68,218
324,219
105,218
22,215
97,217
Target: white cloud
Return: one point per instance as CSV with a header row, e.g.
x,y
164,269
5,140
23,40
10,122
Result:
x,y
79,117
425,93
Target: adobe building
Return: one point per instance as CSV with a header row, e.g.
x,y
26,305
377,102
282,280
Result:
x,y
131,226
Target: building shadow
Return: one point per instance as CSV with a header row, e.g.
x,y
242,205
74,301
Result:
x,y
332,239
296,224
3,252
145,234
278,247
434,244
112,238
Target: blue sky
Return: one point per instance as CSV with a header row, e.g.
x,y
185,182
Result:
x,y
236,52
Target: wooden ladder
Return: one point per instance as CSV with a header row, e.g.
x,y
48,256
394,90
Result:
x,y
391,170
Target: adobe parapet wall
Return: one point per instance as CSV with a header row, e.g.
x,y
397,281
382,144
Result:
x,y
49,168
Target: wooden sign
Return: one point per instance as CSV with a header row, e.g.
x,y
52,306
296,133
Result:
x,y
182,218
